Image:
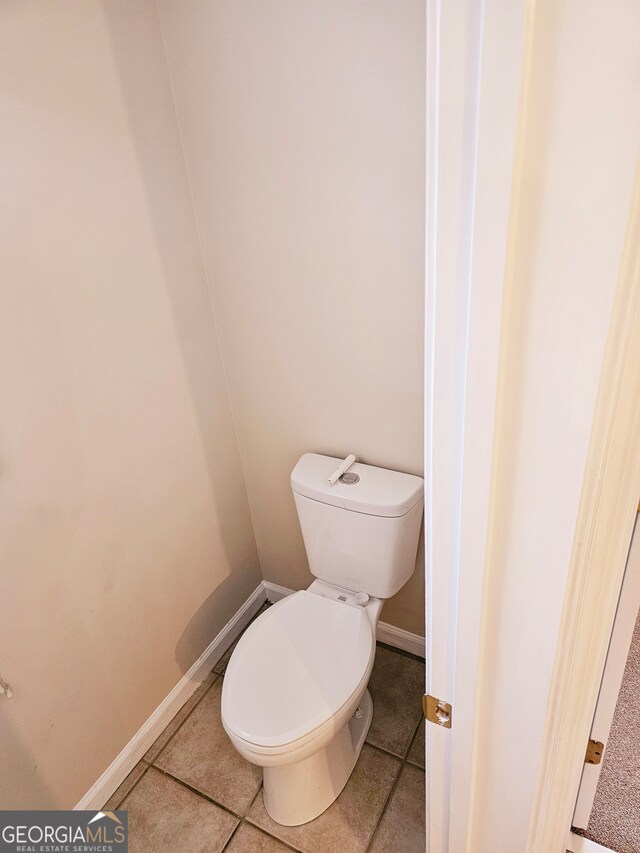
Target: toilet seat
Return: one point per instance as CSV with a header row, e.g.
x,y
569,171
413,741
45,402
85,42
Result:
x,y
295,670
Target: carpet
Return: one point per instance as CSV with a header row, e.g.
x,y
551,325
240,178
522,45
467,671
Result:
x,y
615,818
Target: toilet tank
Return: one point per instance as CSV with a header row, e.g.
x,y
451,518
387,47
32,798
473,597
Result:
x,y
361,535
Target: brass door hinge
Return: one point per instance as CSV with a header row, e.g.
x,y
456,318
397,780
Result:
x,y
594,752
437,711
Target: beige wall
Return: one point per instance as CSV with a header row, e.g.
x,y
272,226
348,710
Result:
x,y
125,538
303,127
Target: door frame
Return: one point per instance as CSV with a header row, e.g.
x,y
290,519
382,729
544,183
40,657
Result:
x,y
474,110
604,528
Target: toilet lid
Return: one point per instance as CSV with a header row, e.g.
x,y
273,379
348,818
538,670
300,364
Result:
x,y
294,668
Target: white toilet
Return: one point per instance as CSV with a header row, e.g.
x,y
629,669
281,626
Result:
x,y
295,698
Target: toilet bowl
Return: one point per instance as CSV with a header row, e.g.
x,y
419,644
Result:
x,y
294,697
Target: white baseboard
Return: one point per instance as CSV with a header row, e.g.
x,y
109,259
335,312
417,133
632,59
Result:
x,y
124,763
578,844
400,639
274,592
389,634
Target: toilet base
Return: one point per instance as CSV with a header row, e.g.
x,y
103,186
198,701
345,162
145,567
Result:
x,y
297,793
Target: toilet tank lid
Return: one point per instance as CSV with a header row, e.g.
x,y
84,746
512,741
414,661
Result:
x,y
379,491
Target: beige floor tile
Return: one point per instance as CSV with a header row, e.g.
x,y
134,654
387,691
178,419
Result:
x,y
396,686
165,817
248,839
123,789
158,745
402,828
202,755
348,824
416,753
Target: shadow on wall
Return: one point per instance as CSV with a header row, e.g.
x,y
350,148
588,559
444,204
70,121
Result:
x,y
146,93
23,784
395,609
196,635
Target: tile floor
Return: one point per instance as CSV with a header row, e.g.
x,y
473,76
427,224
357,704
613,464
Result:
x,y
193,791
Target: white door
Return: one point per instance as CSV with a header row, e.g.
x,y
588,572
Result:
x,y
626,615
500,218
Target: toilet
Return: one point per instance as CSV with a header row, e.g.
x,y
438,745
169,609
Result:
x,y
294,698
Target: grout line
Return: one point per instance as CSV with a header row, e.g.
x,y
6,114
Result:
x,y
221,672
403,761
232,836
253,800
383,751
413,737
217,676
248,820
135,785
402,757
249,807
385,806
268,834
199,793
